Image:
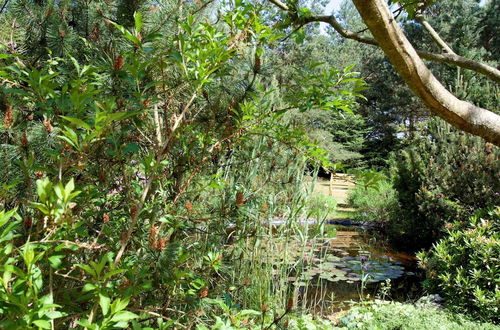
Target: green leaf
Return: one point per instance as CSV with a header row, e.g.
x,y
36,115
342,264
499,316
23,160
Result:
x,y
104,302
118,305
138,21
59,191
176,56
112,273
77,122
87,268
42,324
124,316
70,186
4,217
54,314
28,254
153,37
131,148
88,287
56,261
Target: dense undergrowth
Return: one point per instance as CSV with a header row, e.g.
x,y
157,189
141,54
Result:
x,y
444,201
139,177
144,156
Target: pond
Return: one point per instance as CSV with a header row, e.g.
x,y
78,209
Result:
x,y
353,266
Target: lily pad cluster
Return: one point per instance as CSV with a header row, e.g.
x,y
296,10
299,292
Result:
x,y
352,269
325,260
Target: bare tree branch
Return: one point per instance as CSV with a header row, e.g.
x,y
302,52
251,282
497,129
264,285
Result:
x,y
464,63
434,35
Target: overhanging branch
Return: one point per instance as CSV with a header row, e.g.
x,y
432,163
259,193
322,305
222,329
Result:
x,y
418,77
448,58
408,63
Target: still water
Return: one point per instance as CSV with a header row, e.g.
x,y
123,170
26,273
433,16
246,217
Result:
x,y
354,266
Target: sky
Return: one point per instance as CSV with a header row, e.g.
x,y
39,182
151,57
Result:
x,y
333,6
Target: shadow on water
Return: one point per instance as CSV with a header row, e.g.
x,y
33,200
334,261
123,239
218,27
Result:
x,y
354,266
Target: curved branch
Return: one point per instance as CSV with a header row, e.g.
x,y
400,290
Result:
x,y
434,35
463,62
449,58
419,78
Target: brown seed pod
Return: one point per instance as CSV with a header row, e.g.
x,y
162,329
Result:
x,y
133,210
289,304
239,199
118,63
123,236
28,222
125,283
161,243
204,293
62,33
95,33
8,118
189,206
105,218
153,232
258,64
30,117
263,308
102,177
24,140
205,95
48,126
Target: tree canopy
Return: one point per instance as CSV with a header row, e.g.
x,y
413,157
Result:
x,y
409,64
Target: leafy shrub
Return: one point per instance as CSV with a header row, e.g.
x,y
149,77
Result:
x,y
140,173
442,176
383,315
464,267
375,203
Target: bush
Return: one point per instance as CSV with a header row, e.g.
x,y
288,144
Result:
x,y
393,315
464,267
443,175
374,203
